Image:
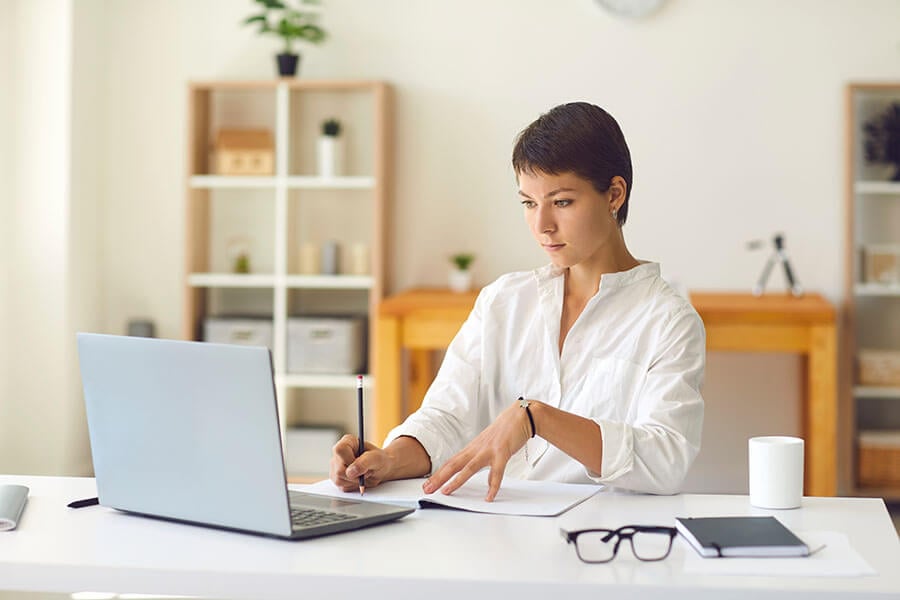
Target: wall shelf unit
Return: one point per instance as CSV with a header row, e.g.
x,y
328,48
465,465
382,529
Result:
x,y
269,217
873,306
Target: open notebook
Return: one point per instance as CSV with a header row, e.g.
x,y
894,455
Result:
x,y
516,497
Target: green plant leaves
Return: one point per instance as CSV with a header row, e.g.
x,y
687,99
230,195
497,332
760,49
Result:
x,y
292,24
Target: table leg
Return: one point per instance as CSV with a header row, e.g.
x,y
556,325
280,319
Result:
x,y
388,392
421,376
821,412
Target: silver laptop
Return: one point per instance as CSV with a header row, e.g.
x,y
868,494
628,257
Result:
x,y
188,431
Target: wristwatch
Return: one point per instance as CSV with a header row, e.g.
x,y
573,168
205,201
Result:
x,y
523,403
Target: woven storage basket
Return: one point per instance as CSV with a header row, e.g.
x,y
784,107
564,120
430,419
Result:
x,y
879,458
879,367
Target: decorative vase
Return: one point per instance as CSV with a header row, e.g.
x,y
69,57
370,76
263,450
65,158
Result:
x,y
460,280
330,156
287,64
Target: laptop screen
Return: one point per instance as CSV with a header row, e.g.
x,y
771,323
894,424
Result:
x,y
185,430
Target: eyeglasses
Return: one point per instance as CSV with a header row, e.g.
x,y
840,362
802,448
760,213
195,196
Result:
x,y
648,543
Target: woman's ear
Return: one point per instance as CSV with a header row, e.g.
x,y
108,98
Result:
x,y
617,190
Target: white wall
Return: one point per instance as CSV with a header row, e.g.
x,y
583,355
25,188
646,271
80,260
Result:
x,y
84,284
6,190
38,361
50,229
733,111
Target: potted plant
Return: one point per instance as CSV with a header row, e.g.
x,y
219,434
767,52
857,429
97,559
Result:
x,y
882,142
330,149
460,275
290,24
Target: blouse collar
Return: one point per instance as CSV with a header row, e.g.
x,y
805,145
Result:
x,y
547,275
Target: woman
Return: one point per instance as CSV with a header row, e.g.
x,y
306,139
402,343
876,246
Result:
x,y
586,370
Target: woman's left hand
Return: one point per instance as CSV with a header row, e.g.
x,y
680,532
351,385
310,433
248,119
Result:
x,y
492,447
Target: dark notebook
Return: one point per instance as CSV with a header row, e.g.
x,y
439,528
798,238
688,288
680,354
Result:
x,y
740,536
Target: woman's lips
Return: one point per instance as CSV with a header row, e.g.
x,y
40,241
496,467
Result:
x,y
553,247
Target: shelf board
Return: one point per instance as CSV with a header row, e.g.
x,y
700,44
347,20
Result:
x,y
311,182
231,280
307,478
868,391
889,493
300,182
315,380
877,187
231,182
877,289
330,282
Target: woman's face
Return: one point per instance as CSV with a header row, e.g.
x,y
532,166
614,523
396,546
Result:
x,y
570,219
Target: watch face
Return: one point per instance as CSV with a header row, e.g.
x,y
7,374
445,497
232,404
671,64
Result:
x,y
630,8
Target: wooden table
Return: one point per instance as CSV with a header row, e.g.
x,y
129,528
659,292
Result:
x,y
424,320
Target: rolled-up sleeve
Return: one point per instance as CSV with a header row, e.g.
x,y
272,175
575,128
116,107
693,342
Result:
x,y
653,451
449,416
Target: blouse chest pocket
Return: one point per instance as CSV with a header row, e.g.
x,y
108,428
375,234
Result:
x,y
610,389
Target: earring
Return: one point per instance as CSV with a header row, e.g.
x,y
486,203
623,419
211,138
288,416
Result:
x,y
614,211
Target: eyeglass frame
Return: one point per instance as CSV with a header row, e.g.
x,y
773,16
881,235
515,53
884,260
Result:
x,y
571,537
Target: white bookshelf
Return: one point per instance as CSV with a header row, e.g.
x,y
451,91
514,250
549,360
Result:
x,y
279,212
873,308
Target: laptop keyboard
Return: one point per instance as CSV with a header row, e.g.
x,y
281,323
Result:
x,y
311,517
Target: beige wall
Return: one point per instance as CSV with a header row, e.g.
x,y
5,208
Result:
x,y
6,190
38,394
50,230
733,111
85,281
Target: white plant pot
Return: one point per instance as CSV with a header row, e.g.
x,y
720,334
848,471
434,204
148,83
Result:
x,y
460,281
330,156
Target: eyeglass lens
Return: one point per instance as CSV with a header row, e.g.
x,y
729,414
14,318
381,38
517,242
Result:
x,y
593,546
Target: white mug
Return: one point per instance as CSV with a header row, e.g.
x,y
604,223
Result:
x,y
776,471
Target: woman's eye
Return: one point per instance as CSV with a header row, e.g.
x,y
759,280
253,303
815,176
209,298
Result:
x,y
528,203
562,203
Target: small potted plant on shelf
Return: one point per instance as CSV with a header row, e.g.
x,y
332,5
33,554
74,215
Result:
x,y
460,275
330,149
882,141
290,24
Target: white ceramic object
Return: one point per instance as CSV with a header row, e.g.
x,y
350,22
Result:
x,y
776,471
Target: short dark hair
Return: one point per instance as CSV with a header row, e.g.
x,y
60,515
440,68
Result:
x,y
577,137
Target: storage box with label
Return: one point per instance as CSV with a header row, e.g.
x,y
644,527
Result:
x,y
879,458
244,152
307,450
325,345
882,263
879,367
243,331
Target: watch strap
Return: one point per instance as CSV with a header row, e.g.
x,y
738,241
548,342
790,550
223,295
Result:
x,y
526,405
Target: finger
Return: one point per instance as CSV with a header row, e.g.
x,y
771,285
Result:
x,y
495,477
461,478
346,448
441,476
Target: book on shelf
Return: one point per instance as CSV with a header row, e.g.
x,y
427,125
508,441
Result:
x,y
740,536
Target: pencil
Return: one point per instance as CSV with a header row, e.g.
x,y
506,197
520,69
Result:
x,y
362,434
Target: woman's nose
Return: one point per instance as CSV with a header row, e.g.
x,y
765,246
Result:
x,y
545,222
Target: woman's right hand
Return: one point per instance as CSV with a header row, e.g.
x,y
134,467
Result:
x,y
346,468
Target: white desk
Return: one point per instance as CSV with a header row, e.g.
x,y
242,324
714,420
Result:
x,y
434,554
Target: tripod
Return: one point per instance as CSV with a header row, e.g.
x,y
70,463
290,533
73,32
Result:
x,y
778,255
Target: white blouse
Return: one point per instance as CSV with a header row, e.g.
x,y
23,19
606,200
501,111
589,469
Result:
x,y
632,362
